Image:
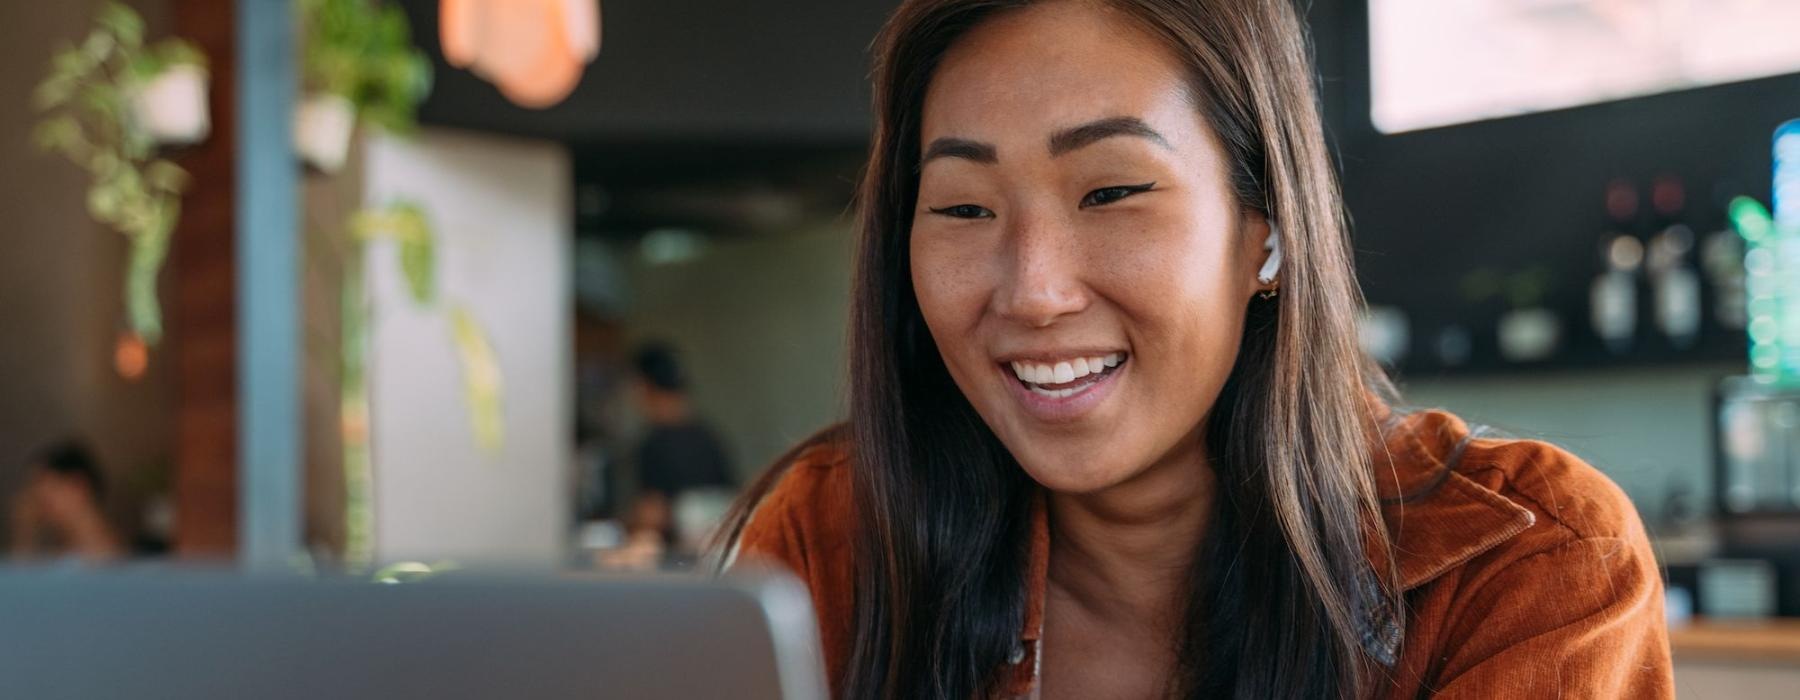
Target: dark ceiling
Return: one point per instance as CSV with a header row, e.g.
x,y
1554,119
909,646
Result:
x,y
689,71
705,113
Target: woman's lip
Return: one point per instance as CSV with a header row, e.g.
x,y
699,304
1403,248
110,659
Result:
x,y
1065,409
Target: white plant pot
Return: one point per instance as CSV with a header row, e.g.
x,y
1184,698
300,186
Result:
x,y
172,107
323,125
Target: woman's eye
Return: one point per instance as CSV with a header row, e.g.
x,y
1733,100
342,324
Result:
x,y
1108,195
965,211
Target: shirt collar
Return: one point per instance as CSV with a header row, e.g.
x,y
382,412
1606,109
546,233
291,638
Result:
x,y
1437,517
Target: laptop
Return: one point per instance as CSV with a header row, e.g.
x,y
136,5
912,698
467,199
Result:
x,y
165,635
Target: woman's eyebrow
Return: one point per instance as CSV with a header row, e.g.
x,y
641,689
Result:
x,y
960,148
1061,142
1076,137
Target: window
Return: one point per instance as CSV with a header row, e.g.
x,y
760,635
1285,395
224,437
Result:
x,y
1441,62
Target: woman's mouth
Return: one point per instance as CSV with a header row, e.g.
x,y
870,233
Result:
x,y
1064,389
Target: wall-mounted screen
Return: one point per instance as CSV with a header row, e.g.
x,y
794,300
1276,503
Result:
x,y
1441,62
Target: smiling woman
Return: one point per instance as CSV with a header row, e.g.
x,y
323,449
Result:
x,y
1092,453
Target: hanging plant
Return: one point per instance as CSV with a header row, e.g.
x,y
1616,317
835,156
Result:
x,y
105,103
360,66
405,225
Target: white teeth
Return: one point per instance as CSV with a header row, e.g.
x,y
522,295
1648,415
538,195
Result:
x,y
1065,371
1057,393
1028,373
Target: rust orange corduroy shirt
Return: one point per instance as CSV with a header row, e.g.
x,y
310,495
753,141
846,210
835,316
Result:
x,y
1527,574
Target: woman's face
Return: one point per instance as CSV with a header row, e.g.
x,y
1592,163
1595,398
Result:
x,y
1076,249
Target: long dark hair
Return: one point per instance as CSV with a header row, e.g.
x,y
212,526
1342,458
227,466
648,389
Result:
x,y
1283,589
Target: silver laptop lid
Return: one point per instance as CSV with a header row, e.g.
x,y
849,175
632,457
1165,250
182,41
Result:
x,y
160,635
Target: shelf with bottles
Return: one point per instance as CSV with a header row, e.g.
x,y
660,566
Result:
x,y
1666,285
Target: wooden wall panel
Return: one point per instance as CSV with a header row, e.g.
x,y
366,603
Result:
x,y
203,309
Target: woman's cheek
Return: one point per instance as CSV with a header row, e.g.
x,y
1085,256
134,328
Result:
x,y
1148,264
944,277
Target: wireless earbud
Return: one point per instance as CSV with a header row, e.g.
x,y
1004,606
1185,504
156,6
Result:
x,y
1273,264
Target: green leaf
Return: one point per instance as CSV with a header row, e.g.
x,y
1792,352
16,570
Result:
x,y
104,99
165,55
391,27
483,385
364,52
418,250
404,223
135,142
52,93
105,165
166,176
418,263
178,52
420,82
98,47
123,23
57,133
131,209
68,62
145,67
103,202
387,119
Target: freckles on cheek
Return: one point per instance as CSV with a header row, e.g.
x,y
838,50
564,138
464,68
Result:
x,y
1173,280
946,282
1152,272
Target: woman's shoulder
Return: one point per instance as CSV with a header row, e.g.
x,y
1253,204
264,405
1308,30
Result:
x,y
1463,501
799,521
1563,497
802,523
814,485
1517,553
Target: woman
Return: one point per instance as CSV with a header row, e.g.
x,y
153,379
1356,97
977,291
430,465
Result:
x,y
1111,435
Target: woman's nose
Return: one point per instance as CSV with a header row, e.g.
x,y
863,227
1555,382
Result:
x,y
1042,279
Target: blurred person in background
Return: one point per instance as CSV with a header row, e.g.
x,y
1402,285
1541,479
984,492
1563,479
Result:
x,y
1111,434
57,515
684,474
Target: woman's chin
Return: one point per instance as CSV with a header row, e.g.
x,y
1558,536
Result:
x,y
1074,477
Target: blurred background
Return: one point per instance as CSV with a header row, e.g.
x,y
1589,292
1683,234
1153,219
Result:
x,y
336,284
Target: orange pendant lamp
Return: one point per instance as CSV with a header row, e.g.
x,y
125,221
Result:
x,y
533,50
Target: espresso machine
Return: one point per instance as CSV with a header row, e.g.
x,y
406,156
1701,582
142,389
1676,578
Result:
x,y
1756,487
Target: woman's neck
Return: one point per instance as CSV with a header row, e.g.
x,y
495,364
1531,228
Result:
x,y
1126,553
